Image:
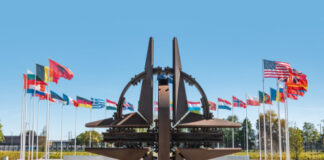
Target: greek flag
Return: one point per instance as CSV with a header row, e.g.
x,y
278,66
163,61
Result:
x,y
98,103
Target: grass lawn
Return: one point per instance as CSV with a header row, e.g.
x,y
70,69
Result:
x,y
253,155
304,156
54,155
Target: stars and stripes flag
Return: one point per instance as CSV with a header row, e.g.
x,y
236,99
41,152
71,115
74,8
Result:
x,y
238,103
276,69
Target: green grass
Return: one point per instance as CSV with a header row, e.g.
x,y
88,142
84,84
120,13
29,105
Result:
x,y
53,155
303,156
253,155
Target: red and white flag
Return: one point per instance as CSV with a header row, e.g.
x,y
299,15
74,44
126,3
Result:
x,y
252,101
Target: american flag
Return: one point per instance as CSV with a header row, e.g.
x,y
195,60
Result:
x,y
275,69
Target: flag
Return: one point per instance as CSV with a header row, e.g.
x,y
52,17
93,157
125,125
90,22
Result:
x,y
238,103
111,105
70,101
292,96
281,95
84,102
194,106
156,105
32,84
252,101
34,92
297,81
162,76
273,93
275,69
212,105
58,70
128,106
264,97
98,103
40,94
58,98
224,104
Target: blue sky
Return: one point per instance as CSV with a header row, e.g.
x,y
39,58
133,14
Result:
x,y
104,43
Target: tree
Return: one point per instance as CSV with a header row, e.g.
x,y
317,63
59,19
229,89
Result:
x,y
275,129
1,134
228,134
310,135
242,134
84,138
296,142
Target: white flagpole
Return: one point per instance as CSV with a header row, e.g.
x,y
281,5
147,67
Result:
x,y
62,131
247,130
279,124
75,135
47,121
264,119
90,128
37,134
270,114
233,128
33,121
49,128
287,131
217,117
259,133
29,128
23,108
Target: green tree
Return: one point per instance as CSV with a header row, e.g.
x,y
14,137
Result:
x,y
242,134
275,129
228,133
84,138
296,142
310,135
1,134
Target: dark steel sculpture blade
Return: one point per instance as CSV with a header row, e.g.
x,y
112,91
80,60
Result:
x,y
180,107
146,97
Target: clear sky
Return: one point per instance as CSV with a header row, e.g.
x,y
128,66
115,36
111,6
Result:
x,y
222,44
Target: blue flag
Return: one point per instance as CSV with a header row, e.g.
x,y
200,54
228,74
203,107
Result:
x,y
98,103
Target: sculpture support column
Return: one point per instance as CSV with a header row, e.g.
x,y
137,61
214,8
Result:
x,y
164,120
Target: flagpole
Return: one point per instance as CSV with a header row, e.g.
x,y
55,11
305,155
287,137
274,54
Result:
x,y
279,124
29,128
287,128
37,134
33,121
49,128
23,108
62,131
75,137
232,128
259,133
47,120
90,128
264,119
217,117
247,131
271,150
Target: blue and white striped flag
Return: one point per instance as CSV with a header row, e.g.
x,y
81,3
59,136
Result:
x,y
98,103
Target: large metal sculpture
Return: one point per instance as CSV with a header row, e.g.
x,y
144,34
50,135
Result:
x,y
183,136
